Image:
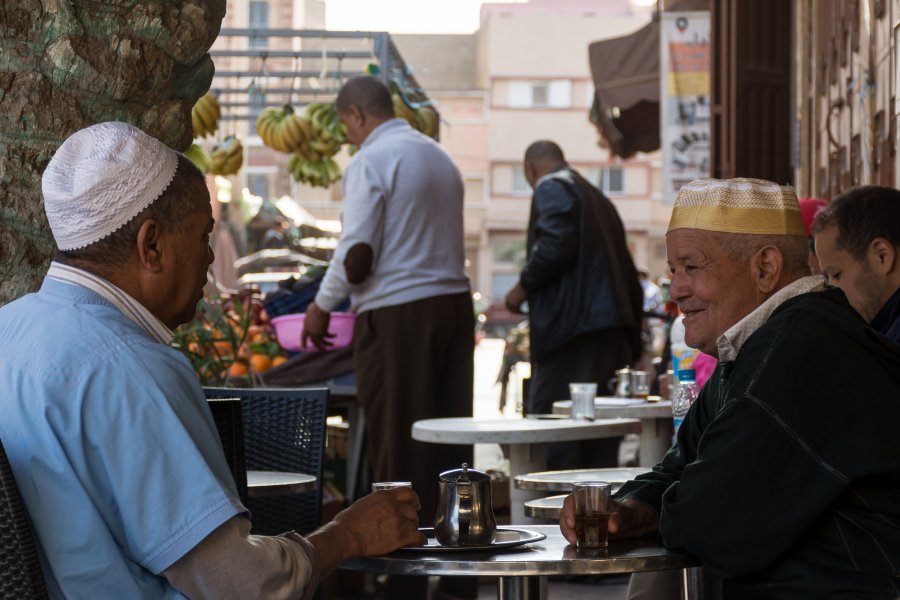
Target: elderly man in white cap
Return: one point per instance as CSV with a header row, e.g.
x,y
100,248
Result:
x,y
785,476
107,430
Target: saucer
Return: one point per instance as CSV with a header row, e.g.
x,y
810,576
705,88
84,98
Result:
x,y
507,537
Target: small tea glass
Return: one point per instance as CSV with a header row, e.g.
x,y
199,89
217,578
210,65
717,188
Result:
x,y
592,513
583,395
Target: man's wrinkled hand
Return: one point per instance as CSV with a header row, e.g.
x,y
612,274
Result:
x,y
515,298
631,518
315,328
383,521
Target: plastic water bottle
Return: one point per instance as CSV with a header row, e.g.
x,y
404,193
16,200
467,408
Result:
x,y
682,355
684,395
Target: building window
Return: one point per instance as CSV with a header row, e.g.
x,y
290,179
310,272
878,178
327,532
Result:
x,y
258,184
555,93
259,19
509,252
257,100
507,258
611,180
520,185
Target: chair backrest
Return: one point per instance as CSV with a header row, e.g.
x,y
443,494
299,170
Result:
x,y
20,570
284,430
226,413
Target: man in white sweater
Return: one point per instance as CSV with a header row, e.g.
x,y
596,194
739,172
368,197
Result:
x,y
401,260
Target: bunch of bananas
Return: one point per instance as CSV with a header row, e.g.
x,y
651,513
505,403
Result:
x,y
199,157
424,118
227,158
283,130
205,115
312,163
329,134
428,121
321,172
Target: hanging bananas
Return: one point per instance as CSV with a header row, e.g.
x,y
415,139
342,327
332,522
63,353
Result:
x,y
283,130
227,158
321,172
329,134
205,115
312,162
199,157
428,121
423,118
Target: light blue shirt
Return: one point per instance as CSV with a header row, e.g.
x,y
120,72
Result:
x,y
111,442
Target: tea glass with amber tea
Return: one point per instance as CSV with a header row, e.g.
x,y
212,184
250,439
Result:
x,y
592,512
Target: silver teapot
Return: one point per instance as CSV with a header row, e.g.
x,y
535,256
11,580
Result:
x,y
465,515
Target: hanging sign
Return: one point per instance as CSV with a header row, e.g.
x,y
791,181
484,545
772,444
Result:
x,y
684,110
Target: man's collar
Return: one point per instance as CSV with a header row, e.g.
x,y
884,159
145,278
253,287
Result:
x,y
130,307
562,172
386,126
730,342
888,313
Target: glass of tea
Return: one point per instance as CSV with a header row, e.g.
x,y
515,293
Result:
x,y
592,511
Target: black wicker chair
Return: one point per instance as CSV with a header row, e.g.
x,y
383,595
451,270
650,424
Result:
x,y
20,571
230,425
284,430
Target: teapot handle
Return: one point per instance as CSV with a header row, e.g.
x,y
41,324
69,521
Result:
x,y
612,384
465,510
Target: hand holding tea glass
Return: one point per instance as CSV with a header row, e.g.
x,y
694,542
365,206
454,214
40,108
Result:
x,y
629,518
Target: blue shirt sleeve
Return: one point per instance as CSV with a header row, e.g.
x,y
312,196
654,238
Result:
x,y
152,451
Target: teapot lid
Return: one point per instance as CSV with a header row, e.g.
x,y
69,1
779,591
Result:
x,y
464,475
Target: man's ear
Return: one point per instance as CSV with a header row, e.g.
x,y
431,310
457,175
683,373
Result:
x,y
768,266
357,114
148,244
882,255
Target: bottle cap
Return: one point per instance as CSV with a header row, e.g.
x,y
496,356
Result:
x,y
687,375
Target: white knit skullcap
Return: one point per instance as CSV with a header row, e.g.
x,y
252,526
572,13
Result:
x,y
102,177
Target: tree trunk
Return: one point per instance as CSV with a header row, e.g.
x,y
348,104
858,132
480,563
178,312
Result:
x,y
66,64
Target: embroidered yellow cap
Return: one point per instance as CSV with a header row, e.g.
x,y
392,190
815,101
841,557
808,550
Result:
x,y
738,205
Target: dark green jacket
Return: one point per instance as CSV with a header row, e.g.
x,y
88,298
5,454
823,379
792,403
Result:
x,y
785,477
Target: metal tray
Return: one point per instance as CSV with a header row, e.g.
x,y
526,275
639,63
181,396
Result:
x,y
507,537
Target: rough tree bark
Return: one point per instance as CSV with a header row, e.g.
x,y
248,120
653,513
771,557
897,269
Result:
x,y
66,64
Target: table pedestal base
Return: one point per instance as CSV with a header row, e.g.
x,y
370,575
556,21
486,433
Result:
x,y
522,588
656,439
523,458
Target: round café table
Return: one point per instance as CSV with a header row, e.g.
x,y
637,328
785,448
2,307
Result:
x,y
561,481
278,483
524,441
656,422
545,508
521,569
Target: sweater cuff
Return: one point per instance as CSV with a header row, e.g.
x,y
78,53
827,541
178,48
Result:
x,y
313,556
327,302
644,492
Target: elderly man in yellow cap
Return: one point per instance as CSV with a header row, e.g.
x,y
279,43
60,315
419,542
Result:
x,y
785,476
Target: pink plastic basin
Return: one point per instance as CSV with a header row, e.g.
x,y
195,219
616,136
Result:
x,y
289,327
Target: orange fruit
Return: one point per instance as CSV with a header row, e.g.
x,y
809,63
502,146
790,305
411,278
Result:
x,y
278,360
260,362
223,347
238,369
